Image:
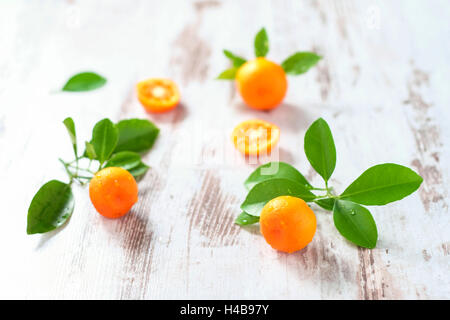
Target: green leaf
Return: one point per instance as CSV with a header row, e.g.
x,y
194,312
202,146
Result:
x,y
300,62
50,208
236,60
245,219
267,190
326,204
261,43
84,81
90,151
228,74
139,170
130,161
136,135
70,126
382,184
125,159
104,139
355,223
283,170
320,149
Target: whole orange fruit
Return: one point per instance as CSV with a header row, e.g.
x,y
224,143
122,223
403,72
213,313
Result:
x,y
261,83
113,191
287,223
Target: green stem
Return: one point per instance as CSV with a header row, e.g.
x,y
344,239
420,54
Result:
x,y
83,177
74,160
82,169
327,196
319,189
73,176
329,190
66,167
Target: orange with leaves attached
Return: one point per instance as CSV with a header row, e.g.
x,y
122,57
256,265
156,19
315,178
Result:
x,y
113,191
261,82
287,223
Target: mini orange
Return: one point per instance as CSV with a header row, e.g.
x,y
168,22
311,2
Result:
x,y
158,95
113,191
255,137
287,223
261,83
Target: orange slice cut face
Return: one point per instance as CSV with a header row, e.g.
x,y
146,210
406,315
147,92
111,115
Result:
x,y
158,95
255,137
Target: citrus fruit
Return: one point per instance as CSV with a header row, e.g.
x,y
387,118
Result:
x,y
262,84
158,95
287,223
255,137
113,191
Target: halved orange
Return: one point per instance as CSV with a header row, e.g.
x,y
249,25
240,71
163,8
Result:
x,y
158,95
255,137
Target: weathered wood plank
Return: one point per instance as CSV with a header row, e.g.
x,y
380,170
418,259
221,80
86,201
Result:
x,y
382,86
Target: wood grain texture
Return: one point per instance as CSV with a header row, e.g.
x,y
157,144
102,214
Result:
x,y
382,86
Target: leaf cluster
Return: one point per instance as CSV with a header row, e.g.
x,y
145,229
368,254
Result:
x,y
112,145
296,64
378,185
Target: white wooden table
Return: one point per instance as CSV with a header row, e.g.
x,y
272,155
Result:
x,y
383,86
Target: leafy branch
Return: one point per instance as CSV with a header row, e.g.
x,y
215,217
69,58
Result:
x,y
112,145
378,185
296,64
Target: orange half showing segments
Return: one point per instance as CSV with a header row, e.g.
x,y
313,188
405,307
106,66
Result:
x,y
255,137
158,95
